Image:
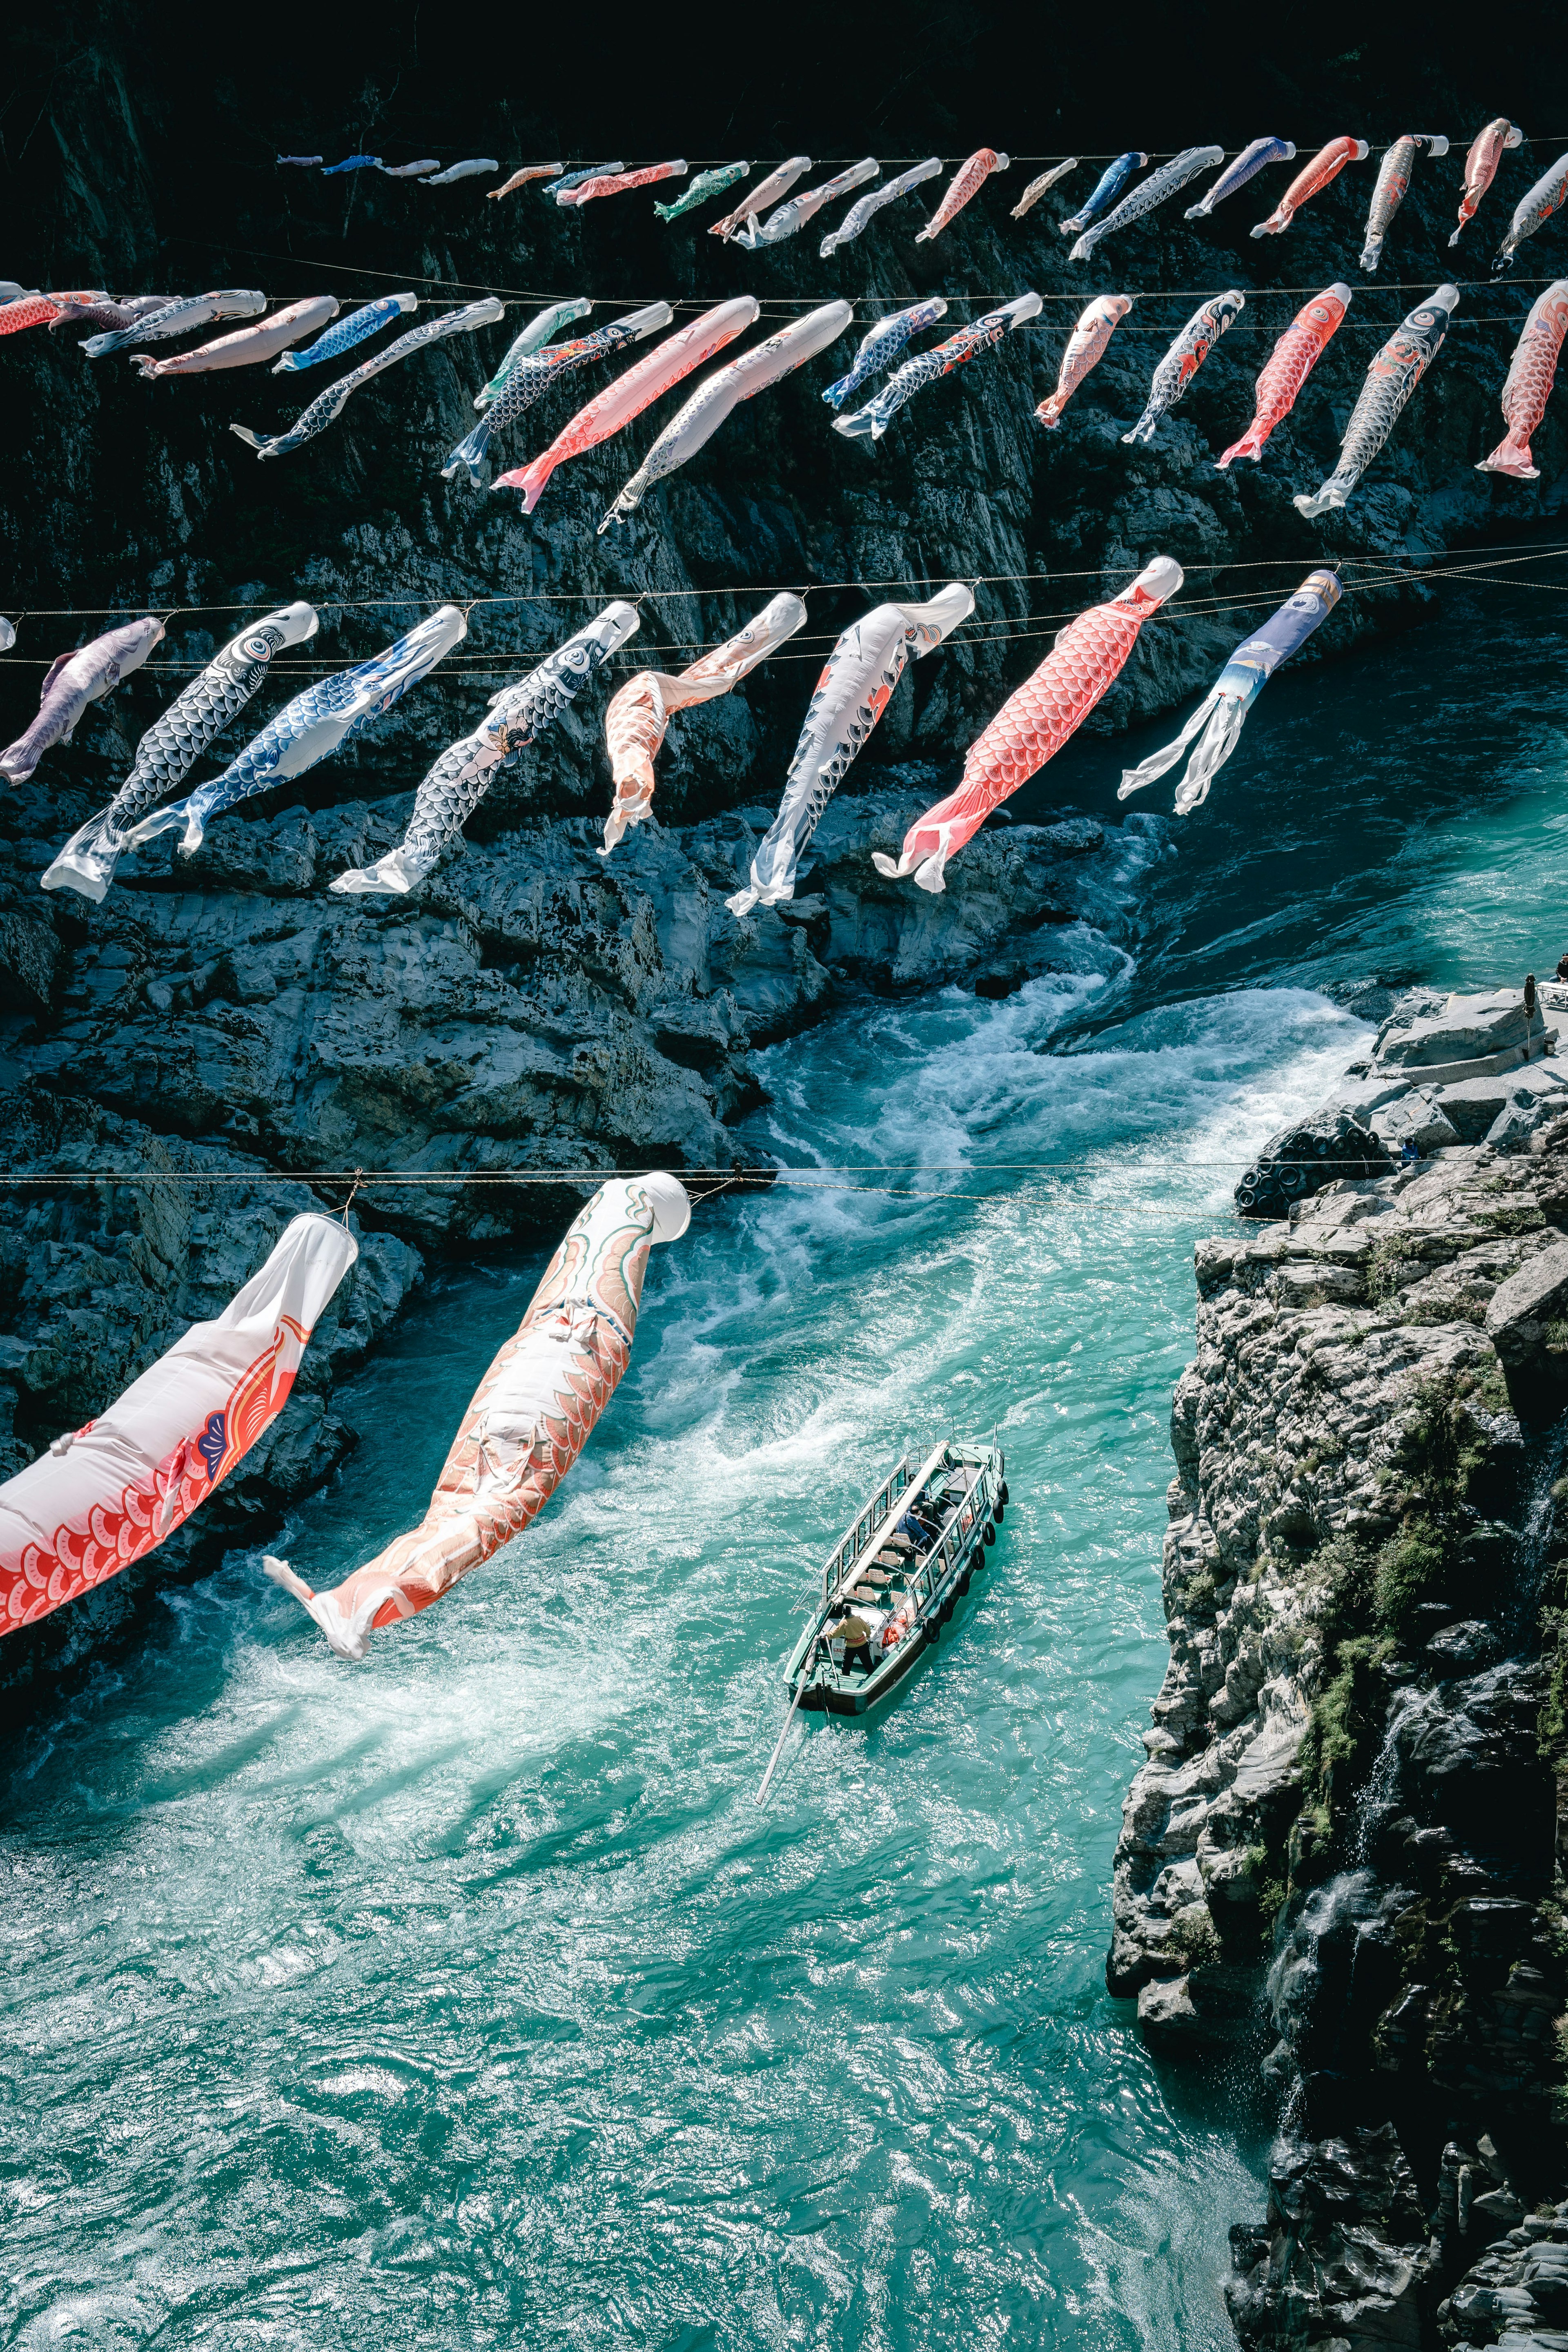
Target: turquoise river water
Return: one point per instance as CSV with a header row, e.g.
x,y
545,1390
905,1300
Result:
x,y
466,1999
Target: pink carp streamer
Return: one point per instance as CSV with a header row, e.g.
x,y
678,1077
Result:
x,y
529,1418
248,346
630,394
1086,349
114,1490
1531,373
1480,166
1287,368
641,713
1326,165
1033,724
618,183
520,179
965,183
778,184
39,309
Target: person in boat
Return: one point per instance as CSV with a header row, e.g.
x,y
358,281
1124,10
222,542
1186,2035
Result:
x,y
919,1525
859,1641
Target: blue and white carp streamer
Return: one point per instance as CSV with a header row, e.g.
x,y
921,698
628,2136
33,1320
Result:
x,y
1393,376
540,330
345,333
1155,190
178,317
883,344
331,404
981,335
1105,191
526,379
860,213
1250,161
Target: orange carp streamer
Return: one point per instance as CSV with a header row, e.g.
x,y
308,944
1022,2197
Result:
x,y
1085,348
1326,165
1531,373
1287,368
965,182
1034,723
529,1418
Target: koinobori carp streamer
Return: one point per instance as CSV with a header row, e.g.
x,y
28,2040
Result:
x,y
520,179
1105,191
1391,186
980,335
1215,728
706,185
860,213
248,346
465,770
526,379
71,682
1480,165
1086,347
112,1491
788,217
1037,188
331,404
618,183
541,329
331,712
965,183
179,318
1532,213
719,394
778,184
1392,377
174,743
1033,724
558,189
621,402
850,696
1157,189
1287,368
639,712
529,1418
1531,373
345,333
882,345
1186,356
1326,165
467,170
1250,161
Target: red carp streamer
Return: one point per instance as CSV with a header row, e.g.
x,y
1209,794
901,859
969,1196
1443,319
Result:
x,y
965,181
1480,165
1287,368
1531,373
1326,165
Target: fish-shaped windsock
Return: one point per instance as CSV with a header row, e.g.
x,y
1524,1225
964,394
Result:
x,y
629,394
520,179
706,185
539,331
639,712
331,712
783,221
1033,723
1105,191
980,335
179,318
174,743
1326,165
1186,356
332,402
248,346
529,1419
850,695
112,1491
1157,189
1389,192
861,212
965,183
106,318
419,170
1086,347
1287,368
1251,161
301,159
351,163
7,634
1037,188
464,171
618,183
36,311
345,333
696,423
557,189
882,345
70,683
1390,379
465,770
767,191
1480,165
527,378
1533,212
1531,373
1217,722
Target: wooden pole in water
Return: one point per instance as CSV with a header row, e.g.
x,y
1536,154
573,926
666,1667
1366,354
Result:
x,y
806,1664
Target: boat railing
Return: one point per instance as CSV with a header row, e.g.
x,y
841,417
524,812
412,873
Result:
x,y
858,1540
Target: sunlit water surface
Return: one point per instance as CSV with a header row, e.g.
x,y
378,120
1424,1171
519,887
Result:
x,y
465,1998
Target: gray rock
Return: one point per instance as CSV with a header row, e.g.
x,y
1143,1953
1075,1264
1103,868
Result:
x,y
1526,1310
1418,1119
1467,1028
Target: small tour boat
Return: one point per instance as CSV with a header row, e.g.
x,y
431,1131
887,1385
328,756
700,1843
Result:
x,y
894,1580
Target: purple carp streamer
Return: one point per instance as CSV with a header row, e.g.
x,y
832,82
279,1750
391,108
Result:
x,y
859,216
721,391
331,711
1085,348
1251,161
1037,188
71,682
331,404
539,331
527,378
799,210
883,344
1217,722
1105,191
1186,356
767,191
1392,181
851,694
1392,377
172,745
1480,165
465,770
981,335
179,318
345,333
1157,189
1533,211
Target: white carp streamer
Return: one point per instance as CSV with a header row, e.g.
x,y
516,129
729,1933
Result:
x,y
640,711
112,1491
529,1418
851,694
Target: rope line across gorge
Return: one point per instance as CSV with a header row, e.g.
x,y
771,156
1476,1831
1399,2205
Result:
x,y
798,1179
